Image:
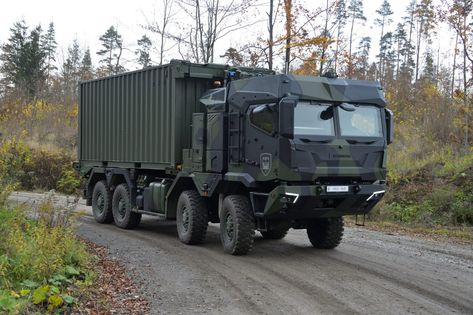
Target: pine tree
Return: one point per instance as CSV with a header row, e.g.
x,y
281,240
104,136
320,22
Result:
x,y
384,12
71,69
49,45
72,64
408,63
385,53
23,61
341,20
13,55
401,45
143,52
111,53
362,56
459,16
429,71
425,17
86,68
355,12
326,37
36,74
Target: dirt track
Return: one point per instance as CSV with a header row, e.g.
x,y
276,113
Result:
x,y
369,273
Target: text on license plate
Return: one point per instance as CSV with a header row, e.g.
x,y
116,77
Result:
x,y
337,188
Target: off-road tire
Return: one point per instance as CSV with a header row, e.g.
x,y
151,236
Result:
x,y
192,218
237,225
102,203
325,233
121,208
275,234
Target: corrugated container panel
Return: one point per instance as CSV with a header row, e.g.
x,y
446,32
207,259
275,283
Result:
x,y
142,116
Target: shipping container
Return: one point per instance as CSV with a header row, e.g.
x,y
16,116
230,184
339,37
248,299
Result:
x,y
143,118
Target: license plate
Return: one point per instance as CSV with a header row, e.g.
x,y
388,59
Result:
x,y
336,189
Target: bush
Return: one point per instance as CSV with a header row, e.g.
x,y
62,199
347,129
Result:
x,y
435,190
68,182
36,168
41,261
14,156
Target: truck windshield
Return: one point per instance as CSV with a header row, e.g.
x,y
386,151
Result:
x,y
316,119
309,121
363,121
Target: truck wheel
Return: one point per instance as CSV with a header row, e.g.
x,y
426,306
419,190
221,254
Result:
x,y
121,208
325,233
237,225
275,234
191,218
277,230
102,203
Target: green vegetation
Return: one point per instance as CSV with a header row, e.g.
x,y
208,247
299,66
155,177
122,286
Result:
x,y
37,168
42,264
434,191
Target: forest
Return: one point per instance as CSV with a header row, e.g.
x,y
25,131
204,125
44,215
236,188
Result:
x,y
429,89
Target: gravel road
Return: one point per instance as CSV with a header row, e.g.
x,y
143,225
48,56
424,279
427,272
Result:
x,y
369,273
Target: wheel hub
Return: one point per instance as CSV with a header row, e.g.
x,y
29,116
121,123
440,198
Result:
x,y
122,207
100,203
229,227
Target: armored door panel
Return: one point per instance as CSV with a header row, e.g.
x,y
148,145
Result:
x,y
261,142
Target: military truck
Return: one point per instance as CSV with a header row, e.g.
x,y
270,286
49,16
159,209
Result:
x,y
246,148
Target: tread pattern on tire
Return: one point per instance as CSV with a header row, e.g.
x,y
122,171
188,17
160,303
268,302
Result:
x,y
108,215
132,219
244,225
274,234
199,217
325,233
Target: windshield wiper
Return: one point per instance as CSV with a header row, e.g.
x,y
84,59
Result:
x,y
358,141
307,140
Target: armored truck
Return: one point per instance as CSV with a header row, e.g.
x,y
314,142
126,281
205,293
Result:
x,y
243,147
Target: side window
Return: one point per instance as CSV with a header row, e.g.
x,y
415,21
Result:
x,y
263,117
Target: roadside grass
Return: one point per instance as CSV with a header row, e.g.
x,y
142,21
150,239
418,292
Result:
x,y
463,234
43,266
430,193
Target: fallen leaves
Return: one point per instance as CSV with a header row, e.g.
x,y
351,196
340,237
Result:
x,y
114,292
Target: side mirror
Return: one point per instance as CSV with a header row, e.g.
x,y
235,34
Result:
x,y
286,117
389,126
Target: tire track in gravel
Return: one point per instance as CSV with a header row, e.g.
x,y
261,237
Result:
x,y
291,295
416,286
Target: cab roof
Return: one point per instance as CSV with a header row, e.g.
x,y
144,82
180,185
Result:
x,y
313,88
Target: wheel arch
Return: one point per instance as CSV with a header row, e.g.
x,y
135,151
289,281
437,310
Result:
x,y
96,175
113,178
180,184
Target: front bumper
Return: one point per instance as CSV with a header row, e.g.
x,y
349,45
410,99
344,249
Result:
x,y
303,202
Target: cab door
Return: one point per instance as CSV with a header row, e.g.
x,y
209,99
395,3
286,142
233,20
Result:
x,y
261,152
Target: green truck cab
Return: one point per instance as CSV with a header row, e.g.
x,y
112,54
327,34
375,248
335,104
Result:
x,y
246,148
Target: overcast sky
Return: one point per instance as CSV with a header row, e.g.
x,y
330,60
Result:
x,y
86,20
